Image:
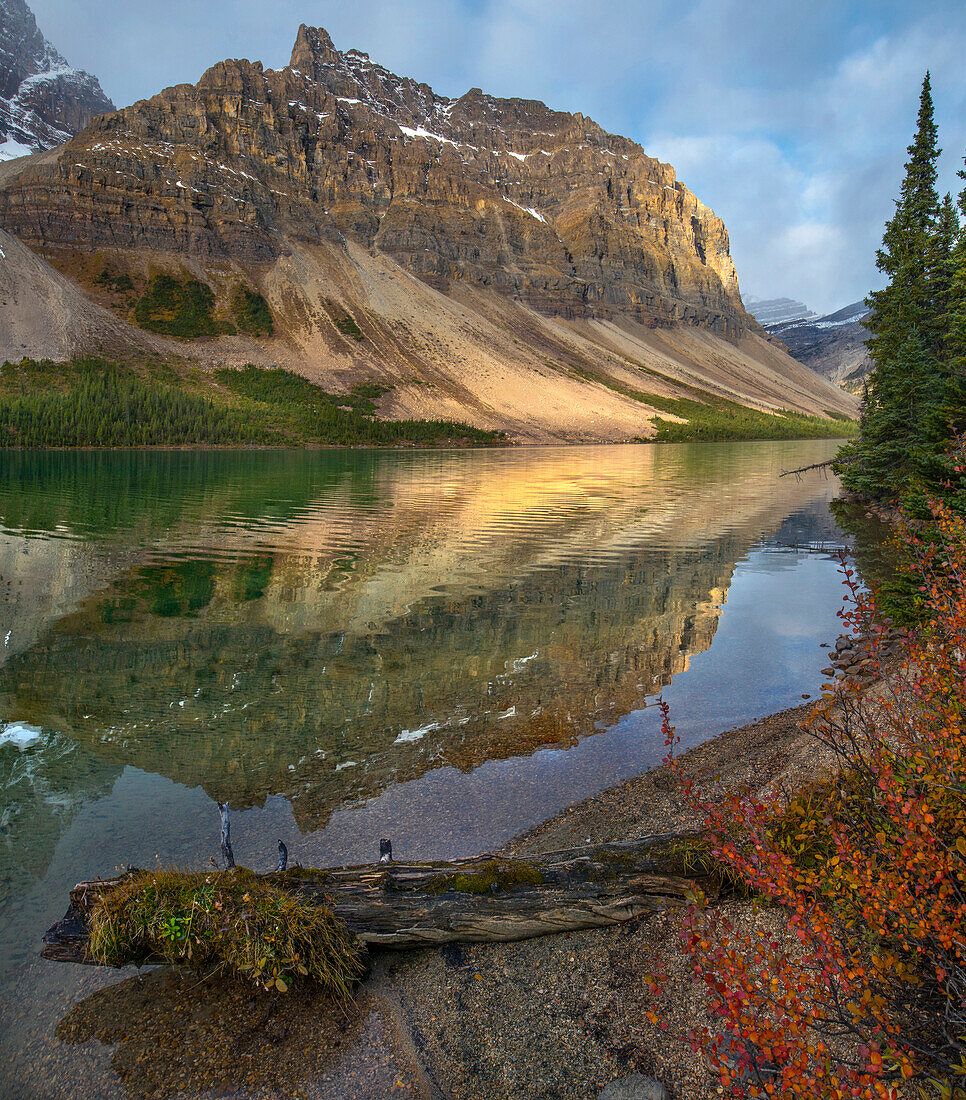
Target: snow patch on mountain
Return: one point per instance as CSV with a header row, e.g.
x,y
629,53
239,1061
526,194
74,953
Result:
x,y
43,101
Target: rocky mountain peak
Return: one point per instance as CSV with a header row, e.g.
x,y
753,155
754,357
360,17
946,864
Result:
x,y
43,101
313,48
506,195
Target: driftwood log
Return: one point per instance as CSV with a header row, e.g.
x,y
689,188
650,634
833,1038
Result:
x,y
405,905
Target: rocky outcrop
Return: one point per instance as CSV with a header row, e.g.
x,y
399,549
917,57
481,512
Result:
x,y
506,194
833,345
43,101
502,263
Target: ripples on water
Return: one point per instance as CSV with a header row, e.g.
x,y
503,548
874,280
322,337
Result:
x,y
442,647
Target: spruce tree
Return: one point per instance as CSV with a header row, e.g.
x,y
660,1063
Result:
x,y
909,254
956,315
901,416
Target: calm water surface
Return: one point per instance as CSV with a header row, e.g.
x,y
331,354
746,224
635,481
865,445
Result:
x,y
441,647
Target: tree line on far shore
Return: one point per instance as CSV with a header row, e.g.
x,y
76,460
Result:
x,y
93,402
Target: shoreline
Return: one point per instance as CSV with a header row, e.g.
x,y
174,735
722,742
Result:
x,y
550,1018
507,445
767,751
568,1012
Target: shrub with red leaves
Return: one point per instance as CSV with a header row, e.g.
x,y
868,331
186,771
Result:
x,y
868,988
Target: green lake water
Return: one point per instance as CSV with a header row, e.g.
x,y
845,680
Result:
x,y
441,647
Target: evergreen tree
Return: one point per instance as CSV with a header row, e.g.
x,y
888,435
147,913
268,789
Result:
x,y
908,399
956,316
910,252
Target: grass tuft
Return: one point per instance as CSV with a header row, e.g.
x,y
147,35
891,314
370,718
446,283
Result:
x,y
230,920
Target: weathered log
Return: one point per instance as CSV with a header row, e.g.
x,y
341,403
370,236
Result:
x,y
405,905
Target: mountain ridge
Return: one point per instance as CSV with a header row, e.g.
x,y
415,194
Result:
x,y
833,345
503,263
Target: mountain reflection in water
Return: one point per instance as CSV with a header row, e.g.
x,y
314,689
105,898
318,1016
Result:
x,y
325,625
443,647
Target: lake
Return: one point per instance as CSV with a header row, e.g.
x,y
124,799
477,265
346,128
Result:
x,y
441,647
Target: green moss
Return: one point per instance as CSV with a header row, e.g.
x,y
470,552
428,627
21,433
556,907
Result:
x,y
251,312
232,920
295,876
174,307
498,874
347,326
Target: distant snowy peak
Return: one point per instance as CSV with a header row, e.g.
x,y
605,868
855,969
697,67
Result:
x,y
776,311
832,345
43,101
848,315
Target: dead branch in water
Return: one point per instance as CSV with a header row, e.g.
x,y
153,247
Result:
x,y
821,465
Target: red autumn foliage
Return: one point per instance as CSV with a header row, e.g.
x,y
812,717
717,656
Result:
x,y
868,989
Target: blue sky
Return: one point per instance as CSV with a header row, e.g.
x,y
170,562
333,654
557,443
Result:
x,y
790,119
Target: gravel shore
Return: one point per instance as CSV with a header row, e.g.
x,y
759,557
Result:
x,y
561,1016
557,1017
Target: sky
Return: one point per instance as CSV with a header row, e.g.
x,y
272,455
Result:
x,y
790,119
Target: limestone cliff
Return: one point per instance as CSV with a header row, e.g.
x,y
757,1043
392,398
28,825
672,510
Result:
x,y
507,194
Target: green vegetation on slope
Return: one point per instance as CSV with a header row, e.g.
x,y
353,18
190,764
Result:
x,y
347,326
721,420
715,419
174,307
251,312
96,403
293,404
120,284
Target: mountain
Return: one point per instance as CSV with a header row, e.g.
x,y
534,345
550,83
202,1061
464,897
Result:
x,y
482,259
43,101
833,345
776,311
